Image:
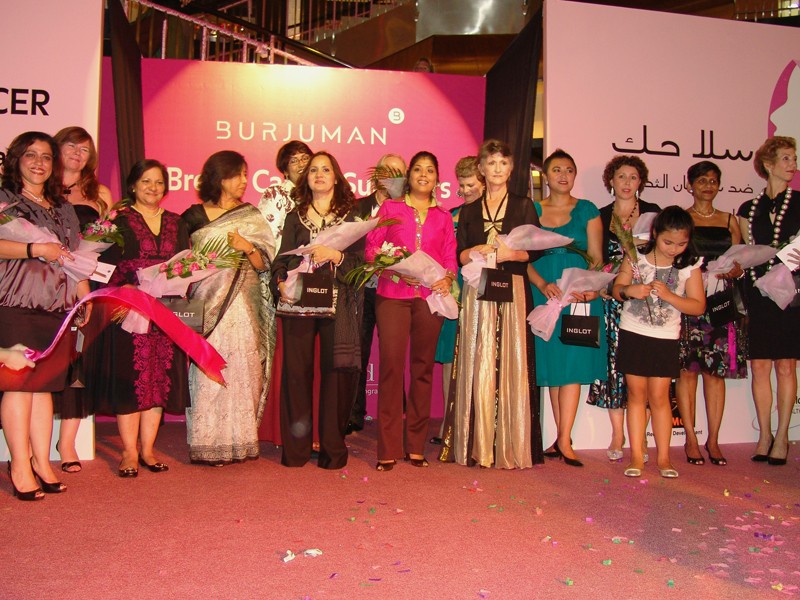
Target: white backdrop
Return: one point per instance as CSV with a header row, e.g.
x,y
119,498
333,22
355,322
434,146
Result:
x,y
50,79
673,90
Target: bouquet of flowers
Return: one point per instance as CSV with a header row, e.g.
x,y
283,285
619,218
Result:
x,y
524,237
424,267
173,277
17,229
104,231
339,237
624,233
389,180
387,257
544,317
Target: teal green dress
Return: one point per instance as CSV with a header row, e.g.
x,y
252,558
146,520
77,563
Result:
x,y
445,347
559,364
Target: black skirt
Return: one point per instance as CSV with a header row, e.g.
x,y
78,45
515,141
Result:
x,y
36,329
772,333
648,356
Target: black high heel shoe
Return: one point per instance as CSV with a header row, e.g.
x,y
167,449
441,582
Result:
x,y
572,462
763,457
778,461
36,494
47,487
416,462
155,467
554,453
720,461
695,461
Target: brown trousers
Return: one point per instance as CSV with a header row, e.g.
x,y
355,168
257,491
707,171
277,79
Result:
x,y
400,323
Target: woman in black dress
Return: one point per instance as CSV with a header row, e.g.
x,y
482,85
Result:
x,y
715,352
91,200
143,375
773,218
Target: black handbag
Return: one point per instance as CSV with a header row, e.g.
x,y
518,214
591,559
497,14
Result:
x,y
496,285
190,312
580,330
725,306
318,295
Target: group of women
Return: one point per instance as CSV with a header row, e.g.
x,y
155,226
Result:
x,y
654,325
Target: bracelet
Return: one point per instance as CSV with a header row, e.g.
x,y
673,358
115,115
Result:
x,y
29,250
340,261
249,252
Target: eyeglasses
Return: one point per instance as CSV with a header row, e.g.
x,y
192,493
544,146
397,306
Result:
x,y
299,160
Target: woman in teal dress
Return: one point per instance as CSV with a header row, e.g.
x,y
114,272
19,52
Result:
x,y
470,188
560,367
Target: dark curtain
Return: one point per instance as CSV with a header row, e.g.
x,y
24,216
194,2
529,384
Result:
x,y
126,65
511,99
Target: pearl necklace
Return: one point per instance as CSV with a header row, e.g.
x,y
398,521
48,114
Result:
x,y
708,216
776,234
38,199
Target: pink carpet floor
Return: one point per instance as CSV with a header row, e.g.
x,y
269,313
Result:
x,y
259,530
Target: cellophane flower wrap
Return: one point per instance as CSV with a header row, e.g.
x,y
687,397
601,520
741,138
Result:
x,y
778,285
387,257
17,229
173,277
427,270
544,317
525,237
338,237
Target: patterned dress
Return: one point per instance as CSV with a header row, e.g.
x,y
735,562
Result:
x,y
612,393
140,371
720,351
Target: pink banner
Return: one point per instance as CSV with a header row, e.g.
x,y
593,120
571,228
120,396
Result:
x,y
192,109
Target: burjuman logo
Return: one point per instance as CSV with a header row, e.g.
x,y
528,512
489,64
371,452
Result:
x,y
310,133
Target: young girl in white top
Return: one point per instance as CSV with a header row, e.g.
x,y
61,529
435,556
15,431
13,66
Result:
x,y
664,282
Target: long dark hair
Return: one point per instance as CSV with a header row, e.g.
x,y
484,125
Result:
x,y
343,198
219,166
12,177
87,182
674,218
137,170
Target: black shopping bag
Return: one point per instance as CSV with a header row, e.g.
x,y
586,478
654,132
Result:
x,y
580,330
496,285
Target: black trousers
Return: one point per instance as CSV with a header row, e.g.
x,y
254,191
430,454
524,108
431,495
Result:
x,y
297,392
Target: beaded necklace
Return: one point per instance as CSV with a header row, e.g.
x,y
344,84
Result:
x,y
668,280
776,234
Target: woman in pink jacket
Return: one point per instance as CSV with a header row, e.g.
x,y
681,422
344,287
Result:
x,y
403,315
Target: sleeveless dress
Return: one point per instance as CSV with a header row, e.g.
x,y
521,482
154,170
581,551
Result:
x,y
720,351
73,402
772,332
445,347
560,364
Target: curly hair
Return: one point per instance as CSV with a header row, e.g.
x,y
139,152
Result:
x,y
218,167
768,152
467,167
288,150
12,177
624,160
87,182
138,170
343,197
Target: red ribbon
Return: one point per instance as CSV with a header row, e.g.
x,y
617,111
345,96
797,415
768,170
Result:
x,y
196,346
